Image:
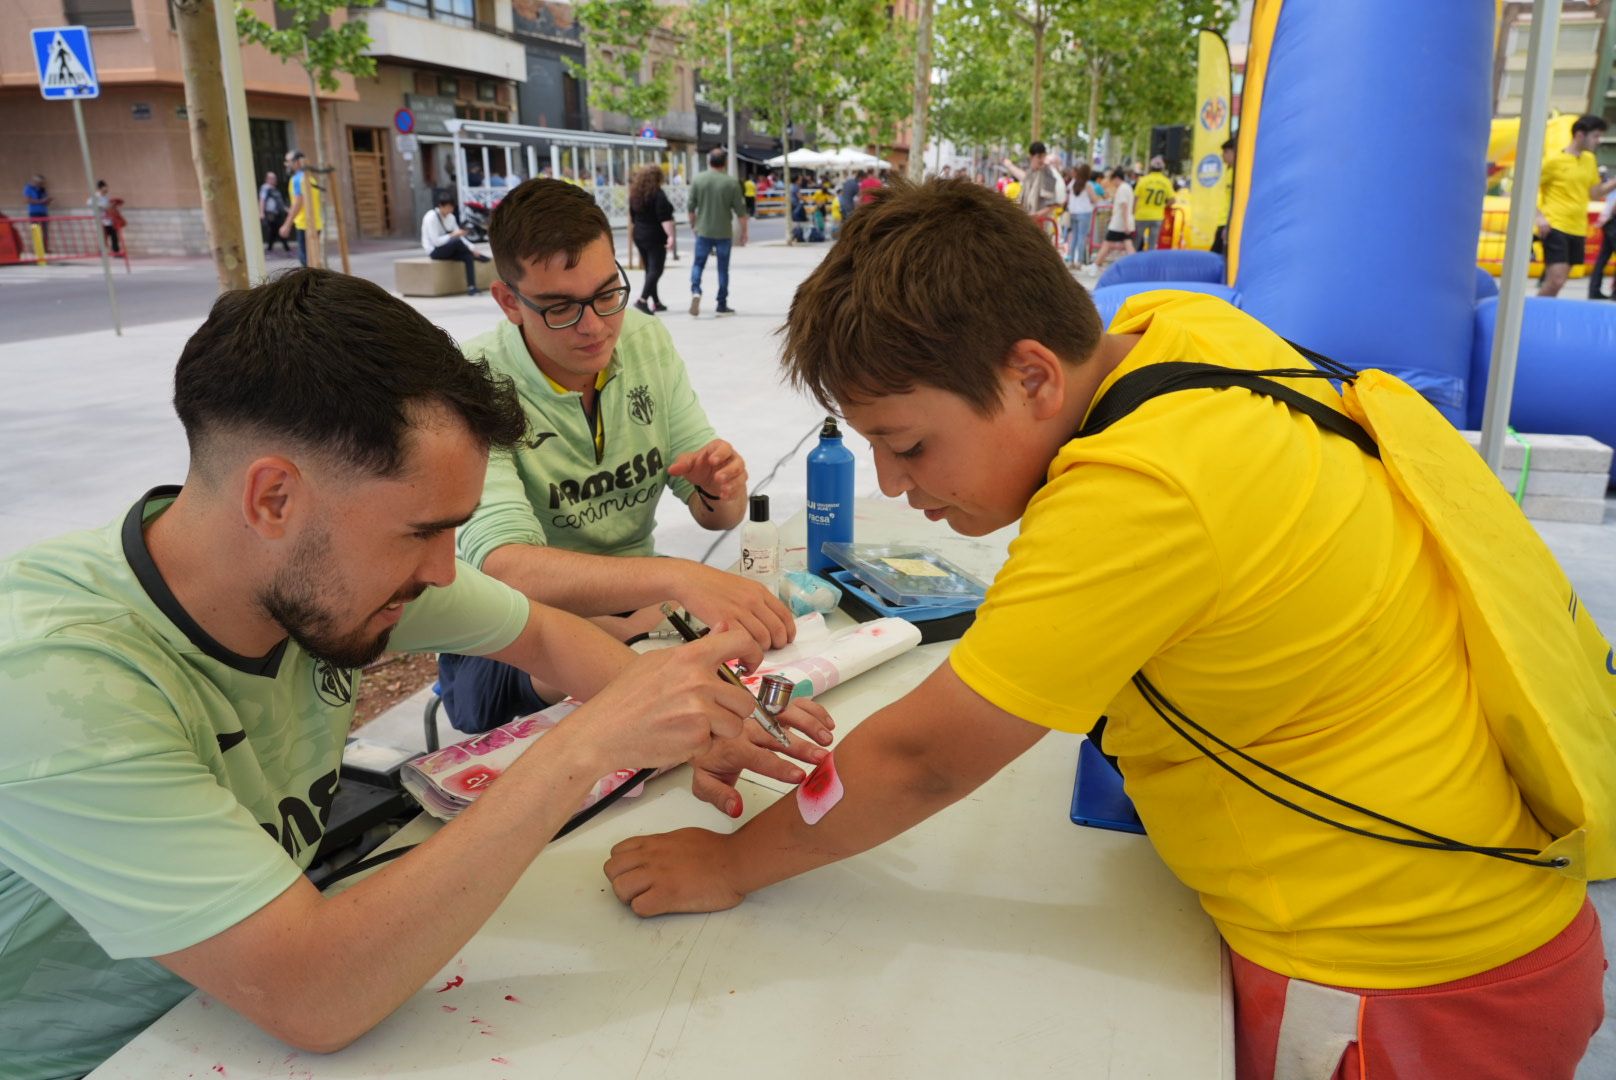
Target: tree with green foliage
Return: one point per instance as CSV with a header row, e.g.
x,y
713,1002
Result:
x,y
981,97
1117,65
833,66
618,34
323,51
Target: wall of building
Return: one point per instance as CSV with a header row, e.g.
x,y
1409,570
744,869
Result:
x,y
140,144
138,129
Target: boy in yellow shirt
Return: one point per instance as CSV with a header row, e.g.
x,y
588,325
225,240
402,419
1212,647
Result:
x,y
1570,178
1261,572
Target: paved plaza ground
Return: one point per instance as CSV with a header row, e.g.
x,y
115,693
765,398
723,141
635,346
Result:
x,y
86,424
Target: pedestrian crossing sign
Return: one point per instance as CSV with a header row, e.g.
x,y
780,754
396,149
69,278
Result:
x,y
66,67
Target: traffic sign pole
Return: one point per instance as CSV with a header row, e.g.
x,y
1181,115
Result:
x,y
100,233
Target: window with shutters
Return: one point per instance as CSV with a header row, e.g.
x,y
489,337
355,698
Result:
x,y
99,14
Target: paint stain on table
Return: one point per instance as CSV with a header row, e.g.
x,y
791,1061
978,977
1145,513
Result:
x,y
454,983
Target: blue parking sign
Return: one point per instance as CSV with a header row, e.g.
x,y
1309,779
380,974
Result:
x,y
66,66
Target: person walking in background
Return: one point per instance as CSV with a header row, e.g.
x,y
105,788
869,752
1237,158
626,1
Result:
x,y
1570,178
1119,230
108,214
1220,239
847,196
1043,192
650,216
749,190
272,213
715,203
1607,248
869,184
442,238
1155,191
39,201
1080,215
305,214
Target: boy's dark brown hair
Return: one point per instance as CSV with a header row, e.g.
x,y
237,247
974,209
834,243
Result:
x,y
930,285
542,218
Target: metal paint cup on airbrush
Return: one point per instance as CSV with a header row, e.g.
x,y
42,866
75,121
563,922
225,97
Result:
x,y
763,717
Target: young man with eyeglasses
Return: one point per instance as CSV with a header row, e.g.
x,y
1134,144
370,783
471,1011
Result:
x,y
567,516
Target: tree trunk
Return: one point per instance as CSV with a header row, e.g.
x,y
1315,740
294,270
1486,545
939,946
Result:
x,y
917,133
785,142
208,118
316,226
1094,109
1038,29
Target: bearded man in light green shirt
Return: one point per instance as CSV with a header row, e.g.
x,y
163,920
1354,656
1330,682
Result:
x,y
178,686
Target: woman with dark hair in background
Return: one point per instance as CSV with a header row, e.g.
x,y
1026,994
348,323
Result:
x,y
650,216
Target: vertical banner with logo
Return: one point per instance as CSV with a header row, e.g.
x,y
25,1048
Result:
x,y
1210,179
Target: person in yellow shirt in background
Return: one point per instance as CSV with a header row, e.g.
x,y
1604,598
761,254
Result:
x,y
749,193
1152,194
1570,179
1220,239
305,207
1263,573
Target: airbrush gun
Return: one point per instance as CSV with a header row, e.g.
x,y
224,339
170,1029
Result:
x,y
773,695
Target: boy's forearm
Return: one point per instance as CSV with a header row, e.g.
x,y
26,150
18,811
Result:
x,y
889,788
579,583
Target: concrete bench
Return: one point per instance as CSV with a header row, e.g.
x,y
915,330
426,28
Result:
x,y
421,276
1567,480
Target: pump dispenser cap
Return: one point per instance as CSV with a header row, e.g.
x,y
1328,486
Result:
x,y
760,508
830,430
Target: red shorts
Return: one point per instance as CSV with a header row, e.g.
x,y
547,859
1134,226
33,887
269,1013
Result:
x,y
1531,1017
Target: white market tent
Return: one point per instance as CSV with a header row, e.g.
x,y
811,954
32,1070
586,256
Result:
x,y
848,158
801,159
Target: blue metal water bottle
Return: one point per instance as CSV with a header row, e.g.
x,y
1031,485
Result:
x,y
830,496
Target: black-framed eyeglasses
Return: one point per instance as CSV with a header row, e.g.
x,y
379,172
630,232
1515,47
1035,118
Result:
x,y
565,313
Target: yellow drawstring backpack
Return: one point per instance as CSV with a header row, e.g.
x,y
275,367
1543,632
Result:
x,y
1545,675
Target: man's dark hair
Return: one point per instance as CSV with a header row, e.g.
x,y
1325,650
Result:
x,y
899,303
542,218
1231,143
334,364
441,196
717,157
1589,122
1119,173
1037,148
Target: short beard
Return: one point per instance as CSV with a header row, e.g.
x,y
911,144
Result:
x,y
292,600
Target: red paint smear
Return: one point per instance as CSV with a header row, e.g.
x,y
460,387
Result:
x,y
499,1061
485,1033
448,1008
478,1020
820,780
472,780
220,1070
457,981
512,997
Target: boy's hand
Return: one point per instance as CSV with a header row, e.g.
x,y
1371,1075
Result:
x,y
716,468
717,769
716,597
677,871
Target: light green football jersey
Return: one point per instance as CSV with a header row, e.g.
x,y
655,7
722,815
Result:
x,y
156,788
559,488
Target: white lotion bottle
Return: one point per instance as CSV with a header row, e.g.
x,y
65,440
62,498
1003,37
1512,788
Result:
x,y
760,545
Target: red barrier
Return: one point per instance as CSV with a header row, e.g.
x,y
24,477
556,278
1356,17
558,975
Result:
x,y
65,237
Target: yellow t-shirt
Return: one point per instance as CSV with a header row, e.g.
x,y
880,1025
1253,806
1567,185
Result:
x,y
1225,195
303,183
749,189
1269,581
1151,197
1564,190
